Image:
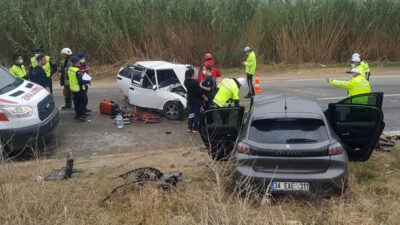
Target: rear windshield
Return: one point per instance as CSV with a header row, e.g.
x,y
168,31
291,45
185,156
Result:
x,y
288,131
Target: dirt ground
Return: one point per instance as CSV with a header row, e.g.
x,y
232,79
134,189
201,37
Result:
x,y
205,196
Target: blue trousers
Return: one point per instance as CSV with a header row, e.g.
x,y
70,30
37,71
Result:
x,y
194,114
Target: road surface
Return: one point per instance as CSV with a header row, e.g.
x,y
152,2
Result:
x,y
99,135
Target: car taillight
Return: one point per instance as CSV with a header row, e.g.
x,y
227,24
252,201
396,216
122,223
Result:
x,y
243,148
335,149
3,116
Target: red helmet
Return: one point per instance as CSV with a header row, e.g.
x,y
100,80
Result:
x,y
207,56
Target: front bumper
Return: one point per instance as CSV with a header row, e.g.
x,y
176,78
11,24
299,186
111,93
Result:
x,y
332,181
18,138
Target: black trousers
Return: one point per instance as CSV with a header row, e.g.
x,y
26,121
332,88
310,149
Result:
x,y
86,96
250,83
51,85
79,99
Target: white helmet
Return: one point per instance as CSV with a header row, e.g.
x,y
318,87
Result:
x,y
66,51
241,81
247,49
356,55
355,58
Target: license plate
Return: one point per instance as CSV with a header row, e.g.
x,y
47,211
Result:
x,y
290,186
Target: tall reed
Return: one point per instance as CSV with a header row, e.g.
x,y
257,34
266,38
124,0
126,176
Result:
x,y
288,31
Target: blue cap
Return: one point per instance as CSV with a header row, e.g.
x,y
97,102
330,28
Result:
x,y
81,55
74,59
38,50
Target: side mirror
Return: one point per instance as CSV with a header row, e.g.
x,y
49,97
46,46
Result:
x,y
154,87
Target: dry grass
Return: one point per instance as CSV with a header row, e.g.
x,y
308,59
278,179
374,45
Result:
x,y
205,196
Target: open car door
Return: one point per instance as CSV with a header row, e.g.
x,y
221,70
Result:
x,y
219,129
358,121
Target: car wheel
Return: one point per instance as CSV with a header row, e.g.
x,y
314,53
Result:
x,y
172,110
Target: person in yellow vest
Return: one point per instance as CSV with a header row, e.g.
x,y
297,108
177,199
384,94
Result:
x,y
356,85
49,67
364,65
228,89
355,63
18,68
77,87
64,80
250,65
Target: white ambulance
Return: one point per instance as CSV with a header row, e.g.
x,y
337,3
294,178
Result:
x,y
27,112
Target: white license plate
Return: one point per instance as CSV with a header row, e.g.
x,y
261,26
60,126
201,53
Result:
x,y
290,186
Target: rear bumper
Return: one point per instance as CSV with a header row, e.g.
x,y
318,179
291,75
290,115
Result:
x,y
332,181
18,138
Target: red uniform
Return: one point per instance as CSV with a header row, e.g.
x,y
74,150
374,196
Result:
x,y
214,71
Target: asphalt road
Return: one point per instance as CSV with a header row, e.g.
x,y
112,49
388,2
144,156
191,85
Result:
x,y
99,135
318,89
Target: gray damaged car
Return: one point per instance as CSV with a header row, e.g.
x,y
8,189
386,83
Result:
x,y
289,145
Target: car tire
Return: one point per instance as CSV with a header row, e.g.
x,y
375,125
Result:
x,y
173,110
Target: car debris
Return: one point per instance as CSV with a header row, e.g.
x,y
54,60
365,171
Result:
x,y
61,174
144,175
386,143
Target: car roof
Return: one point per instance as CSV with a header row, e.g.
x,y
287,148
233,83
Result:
x,y
274,107
160,65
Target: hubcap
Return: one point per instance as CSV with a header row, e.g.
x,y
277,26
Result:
x,y
172,111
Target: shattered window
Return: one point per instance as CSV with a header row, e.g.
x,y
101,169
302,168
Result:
x,y
166,78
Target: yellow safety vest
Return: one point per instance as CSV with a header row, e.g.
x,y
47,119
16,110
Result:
x,y
227,89
362,70
46,67
73,79
356,86
18,71
251,63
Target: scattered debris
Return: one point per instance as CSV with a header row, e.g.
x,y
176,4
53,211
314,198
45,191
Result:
x,y
144,175
61,174
186,154
168,132
386,143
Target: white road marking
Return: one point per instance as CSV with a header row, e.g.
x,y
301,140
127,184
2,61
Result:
x,y
343,97
290,79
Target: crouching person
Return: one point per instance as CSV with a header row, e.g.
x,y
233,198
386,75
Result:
x,y
77,87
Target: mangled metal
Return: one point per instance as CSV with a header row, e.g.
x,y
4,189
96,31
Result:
x,y
144,175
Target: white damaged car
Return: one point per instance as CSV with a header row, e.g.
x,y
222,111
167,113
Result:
x,y
156,85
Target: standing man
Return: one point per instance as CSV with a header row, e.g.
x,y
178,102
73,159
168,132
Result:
x,y
64,80
228,89
18,68
250,65
49,67
215,71
364,65
356,85
77,87
355,63
83,68
38,74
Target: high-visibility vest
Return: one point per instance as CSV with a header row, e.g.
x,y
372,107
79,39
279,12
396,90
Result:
x,y
251,63
46,67
362,70
18,71
227,89
73,79
356,86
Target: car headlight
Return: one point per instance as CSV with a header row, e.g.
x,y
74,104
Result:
x,y
17,111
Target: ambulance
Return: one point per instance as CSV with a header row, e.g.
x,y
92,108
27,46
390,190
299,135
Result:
x,y
27,112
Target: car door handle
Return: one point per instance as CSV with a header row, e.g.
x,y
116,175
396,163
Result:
x,y
119,78
132,88
346,134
